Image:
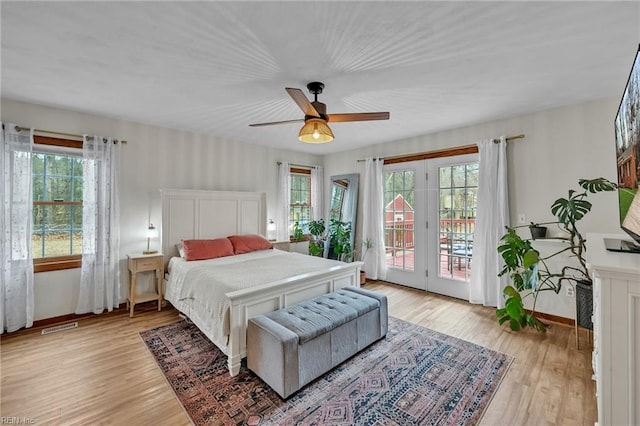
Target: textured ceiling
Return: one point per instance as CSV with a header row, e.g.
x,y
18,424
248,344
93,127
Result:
x,y
215,67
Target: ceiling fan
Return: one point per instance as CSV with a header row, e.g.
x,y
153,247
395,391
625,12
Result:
x,y
315,129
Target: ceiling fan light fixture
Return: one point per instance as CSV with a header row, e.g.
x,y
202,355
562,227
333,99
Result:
x,y
315,130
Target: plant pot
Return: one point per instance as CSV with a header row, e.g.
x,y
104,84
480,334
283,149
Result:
x,y
363,278
299,247
584,304
538,231
330,253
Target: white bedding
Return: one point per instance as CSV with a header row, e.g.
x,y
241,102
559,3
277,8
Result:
x,y
202,285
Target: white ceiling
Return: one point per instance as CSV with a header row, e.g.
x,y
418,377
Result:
x,y
215,67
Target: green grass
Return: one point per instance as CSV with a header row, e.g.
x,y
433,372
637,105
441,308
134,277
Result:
x,y
56,244
625,197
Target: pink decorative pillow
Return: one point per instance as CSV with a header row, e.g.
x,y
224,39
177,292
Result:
x,y
248,243
207,249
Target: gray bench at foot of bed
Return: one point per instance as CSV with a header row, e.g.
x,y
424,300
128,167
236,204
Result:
x,y
290,347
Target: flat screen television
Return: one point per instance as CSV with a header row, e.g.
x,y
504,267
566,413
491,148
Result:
x,y
627,129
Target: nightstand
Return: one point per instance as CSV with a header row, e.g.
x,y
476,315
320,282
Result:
x,y
140,263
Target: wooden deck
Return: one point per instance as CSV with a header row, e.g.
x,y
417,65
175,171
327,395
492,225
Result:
x,y
450,267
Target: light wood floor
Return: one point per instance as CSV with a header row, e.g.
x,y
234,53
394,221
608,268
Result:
x,y
101,372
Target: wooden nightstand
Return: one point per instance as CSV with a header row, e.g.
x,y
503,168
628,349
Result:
x,y
140,263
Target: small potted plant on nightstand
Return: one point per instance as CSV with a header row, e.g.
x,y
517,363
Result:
x,y
297,234
299,242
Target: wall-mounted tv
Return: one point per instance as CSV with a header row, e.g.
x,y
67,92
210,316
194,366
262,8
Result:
x,y
627,129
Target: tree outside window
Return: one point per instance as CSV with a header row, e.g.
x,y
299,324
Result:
x,y
57,206
300,202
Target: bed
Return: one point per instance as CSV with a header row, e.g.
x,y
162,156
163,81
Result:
x,y
220,295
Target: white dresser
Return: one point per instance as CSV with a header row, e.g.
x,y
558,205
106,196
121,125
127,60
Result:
x,y
616,328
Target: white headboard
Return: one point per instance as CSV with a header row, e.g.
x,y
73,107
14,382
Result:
x,y
195,214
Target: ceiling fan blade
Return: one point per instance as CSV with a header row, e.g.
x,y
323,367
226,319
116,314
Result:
x,y
302,101
358,116
276,122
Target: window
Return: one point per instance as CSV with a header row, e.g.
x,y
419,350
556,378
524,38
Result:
x,y
57,205
399,232
458,194
338,191
300,201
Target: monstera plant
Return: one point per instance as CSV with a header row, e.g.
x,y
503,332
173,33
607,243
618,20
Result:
x,y
340,240
316,229
528,270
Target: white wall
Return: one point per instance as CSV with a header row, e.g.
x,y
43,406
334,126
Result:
x,y
154,158
560,146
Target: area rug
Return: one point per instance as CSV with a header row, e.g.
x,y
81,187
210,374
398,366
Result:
x,y
415,376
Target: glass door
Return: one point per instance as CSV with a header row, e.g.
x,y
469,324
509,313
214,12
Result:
x,y
429,215
404,223
453,191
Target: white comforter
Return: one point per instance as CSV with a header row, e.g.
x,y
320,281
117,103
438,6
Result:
x,y
206,282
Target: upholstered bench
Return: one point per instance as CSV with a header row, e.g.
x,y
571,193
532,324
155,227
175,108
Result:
x,y
291,347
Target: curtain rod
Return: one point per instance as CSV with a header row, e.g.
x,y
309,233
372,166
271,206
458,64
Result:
x,y
297,165
51,132
508,138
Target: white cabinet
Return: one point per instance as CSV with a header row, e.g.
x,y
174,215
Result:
x,y
616,330
281,245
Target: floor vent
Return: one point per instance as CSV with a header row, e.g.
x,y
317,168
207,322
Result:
x,y
61,327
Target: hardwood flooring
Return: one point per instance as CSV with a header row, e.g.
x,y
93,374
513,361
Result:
x,y
101,373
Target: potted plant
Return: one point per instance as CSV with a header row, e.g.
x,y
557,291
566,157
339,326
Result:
x,y
340,240
316,245
366,244
537,230
297,235
529,271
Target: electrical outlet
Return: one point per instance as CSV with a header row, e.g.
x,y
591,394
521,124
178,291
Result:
x,y
570,291
521,219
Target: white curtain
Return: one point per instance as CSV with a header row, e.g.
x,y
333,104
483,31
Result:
x,y
100,274
492,218
282,201
16,283
317,192
375,264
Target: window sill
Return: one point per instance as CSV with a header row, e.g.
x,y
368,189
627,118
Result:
x,y
56,263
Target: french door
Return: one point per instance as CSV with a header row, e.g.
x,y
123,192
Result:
x,y
404,223
430,210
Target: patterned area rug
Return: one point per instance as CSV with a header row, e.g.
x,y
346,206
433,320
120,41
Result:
x,y
415,376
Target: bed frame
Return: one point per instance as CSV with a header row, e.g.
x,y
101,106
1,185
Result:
x,y
193,214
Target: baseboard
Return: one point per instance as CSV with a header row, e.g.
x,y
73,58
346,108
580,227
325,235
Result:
x,y
71,317
541,315
554,318
122,308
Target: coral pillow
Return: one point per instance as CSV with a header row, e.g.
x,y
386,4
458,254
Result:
x,y
207,249
248,243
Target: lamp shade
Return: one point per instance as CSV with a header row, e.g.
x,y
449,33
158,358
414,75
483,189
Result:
x,y
152,231
315,130
271,230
